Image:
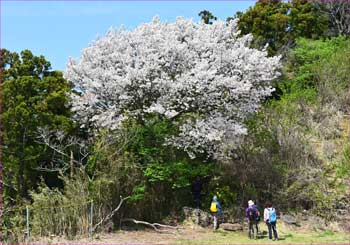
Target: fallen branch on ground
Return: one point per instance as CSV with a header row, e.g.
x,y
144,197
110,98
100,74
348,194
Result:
x,y
155,226
109,216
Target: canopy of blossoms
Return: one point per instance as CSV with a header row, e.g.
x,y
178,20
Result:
x,y
205,75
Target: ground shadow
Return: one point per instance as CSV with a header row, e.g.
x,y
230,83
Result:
x,y
265,235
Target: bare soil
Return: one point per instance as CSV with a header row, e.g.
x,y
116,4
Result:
x,y
147,236
192,234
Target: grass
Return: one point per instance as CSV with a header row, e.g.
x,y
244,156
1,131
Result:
x,y
290,238
285,237
192,234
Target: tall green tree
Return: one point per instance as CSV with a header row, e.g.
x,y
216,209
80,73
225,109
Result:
x,y
207,17
33,97
279,23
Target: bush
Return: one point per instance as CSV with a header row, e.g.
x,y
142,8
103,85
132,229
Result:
x,y
66,212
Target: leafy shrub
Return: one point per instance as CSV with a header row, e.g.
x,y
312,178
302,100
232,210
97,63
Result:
x,y
66,212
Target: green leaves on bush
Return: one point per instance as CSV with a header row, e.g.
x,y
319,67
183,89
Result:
x,y
177,174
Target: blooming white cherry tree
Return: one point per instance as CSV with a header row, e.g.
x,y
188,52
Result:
x,y
205,75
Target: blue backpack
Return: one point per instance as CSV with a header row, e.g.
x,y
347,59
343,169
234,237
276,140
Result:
x,y
272,215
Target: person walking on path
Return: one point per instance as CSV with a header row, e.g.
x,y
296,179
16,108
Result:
x,y
270,217
251,213
215,209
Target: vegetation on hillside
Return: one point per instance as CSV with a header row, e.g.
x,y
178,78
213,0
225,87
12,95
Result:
x,y
295,152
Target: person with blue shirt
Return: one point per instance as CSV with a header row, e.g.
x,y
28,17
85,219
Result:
x,y
216,209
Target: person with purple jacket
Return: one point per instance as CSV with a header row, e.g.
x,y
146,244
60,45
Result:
x,y
251,213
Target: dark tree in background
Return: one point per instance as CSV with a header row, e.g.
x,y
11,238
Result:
x,y
207,17
338,13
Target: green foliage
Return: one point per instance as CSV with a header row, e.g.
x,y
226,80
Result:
x,y
160,162
287,137
207,17
156,176
64,213
177,174
13,225
174,173
138,193
305,65
311,190
280,23
114,170
307,52
277,161
33,96
326,233
343,169
149,139
332,78
225,195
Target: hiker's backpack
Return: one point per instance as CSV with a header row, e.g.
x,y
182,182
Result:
x,y
213,207
272,215
252,213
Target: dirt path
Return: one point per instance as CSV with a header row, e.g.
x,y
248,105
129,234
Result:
x,y
196,235
139,237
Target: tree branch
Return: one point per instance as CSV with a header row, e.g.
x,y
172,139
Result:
x,y
109,216
155,226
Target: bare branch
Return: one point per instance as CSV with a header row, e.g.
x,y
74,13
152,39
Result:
x,y
155,226
61,145
109,216
50,170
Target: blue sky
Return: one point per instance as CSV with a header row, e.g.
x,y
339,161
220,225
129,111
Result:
x,y
61,29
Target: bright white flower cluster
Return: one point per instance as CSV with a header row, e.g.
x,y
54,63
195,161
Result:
x,y
204,72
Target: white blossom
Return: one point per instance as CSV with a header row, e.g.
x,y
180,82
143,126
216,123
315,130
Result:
x,y
175,69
